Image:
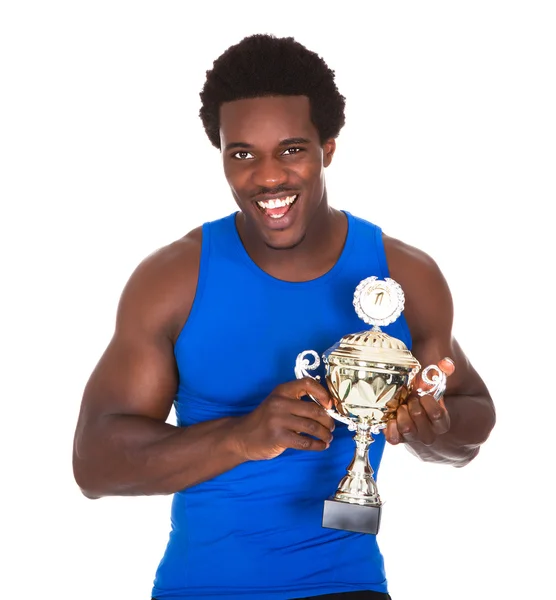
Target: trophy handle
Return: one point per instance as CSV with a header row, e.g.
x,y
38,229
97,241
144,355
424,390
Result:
x,y
302,367
436,383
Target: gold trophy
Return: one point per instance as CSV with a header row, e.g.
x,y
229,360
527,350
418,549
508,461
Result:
x,y
369,374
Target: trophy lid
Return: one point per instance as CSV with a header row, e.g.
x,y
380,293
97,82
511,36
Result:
x,y
373,346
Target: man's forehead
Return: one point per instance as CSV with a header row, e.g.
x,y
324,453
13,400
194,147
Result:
x,y
266,118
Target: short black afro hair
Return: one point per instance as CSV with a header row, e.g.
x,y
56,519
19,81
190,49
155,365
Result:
x,y
264,65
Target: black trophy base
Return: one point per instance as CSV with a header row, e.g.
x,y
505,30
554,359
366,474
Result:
x,y
351,517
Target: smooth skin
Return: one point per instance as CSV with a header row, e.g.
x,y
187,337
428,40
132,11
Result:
x,y
123,445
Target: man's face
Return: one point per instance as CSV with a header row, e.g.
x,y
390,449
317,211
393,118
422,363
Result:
x,y
274,163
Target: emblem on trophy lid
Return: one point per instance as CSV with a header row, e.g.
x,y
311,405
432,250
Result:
x,y
378,301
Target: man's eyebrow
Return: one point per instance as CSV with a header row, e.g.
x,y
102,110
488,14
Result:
x,y
234,145
293,141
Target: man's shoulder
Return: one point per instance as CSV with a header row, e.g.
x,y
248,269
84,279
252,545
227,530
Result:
x,y
403,256
161,289
173,261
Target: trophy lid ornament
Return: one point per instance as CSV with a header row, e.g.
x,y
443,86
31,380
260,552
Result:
x,y
378,302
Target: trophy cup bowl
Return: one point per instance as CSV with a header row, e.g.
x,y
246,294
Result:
x,y
368,374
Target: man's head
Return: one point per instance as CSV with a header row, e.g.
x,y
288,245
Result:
x,y
264,65
272,107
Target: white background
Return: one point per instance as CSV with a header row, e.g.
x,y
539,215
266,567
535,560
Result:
x,y
449,145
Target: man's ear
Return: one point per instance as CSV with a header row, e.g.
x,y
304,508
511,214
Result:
x,y
328,148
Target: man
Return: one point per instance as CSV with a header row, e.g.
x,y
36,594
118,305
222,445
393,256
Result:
x,y
213,323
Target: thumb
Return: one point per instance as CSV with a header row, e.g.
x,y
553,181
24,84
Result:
x,y
447,366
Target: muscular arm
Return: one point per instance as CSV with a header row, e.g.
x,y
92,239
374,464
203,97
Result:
x,y
123,445
470,411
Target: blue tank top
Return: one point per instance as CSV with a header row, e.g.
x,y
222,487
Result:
x,y
255,531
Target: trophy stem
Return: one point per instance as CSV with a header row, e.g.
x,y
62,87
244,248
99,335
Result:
x,y
358,485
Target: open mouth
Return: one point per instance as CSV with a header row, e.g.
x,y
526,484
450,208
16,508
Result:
x,y
277,208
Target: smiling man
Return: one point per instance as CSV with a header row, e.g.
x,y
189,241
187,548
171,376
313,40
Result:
x,y
212,323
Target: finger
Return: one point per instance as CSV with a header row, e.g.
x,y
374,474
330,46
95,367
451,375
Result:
x,y
447,366
391,432
406,426
302,442
313,412
436,413
425,432
310,427
307,387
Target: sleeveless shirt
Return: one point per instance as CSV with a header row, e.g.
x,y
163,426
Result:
x,y
255,532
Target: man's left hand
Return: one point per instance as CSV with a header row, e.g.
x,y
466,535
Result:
x,y
422,418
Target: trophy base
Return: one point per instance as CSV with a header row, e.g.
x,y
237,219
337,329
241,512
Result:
x,y
351,517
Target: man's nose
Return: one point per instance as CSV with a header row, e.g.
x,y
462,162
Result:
x,y
269,173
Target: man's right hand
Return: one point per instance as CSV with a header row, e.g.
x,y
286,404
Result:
x,y
281,420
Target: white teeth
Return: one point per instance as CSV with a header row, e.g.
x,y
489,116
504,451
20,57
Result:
x,y
277,203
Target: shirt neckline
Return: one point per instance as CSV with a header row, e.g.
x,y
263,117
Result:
x,y
343,259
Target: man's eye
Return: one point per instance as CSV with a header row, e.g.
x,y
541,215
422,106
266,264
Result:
x,y
291,151
242,155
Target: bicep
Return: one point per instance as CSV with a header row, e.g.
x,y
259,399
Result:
x,y
432,321
135,376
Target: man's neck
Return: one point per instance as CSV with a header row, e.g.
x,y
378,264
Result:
x,y
314,256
